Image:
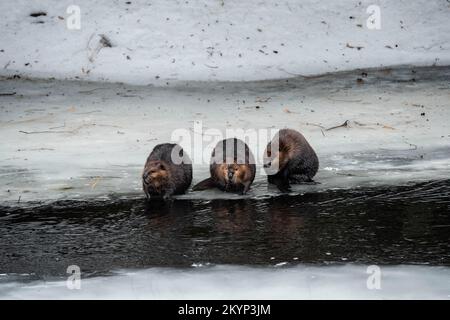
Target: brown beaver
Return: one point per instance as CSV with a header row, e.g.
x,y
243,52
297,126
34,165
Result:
x,y
168,171
293,161
232,167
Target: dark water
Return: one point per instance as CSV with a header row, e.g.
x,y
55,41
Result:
x,y
392,225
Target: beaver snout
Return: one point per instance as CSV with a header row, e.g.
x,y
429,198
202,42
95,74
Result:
x,y
145,176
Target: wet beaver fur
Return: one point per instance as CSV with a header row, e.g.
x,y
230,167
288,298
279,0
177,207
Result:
x,y
167,171
232,167
294,161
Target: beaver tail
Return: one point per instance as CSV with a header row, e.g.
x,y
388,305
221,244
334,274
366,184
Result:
x,y
204,185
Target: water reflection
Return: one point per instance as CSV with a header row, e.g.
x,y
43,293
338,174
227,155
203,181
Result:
x,y
392,225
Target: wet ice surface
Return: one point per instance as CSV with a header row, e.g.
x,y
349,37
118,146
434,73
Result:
x,y
78,140
338,171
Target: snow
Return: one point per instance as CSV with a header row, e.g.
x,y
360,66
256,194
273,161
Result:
x,y
163,42
79,140
239,282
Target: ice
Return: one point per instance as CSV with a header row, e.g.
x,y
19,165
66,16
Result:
x,y
240,282
167,41
80,140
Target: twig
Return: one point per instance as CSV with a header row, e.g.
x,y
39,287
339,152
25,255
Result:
x,y
314,124
412,145
106,125
36,149
7,93
90,91
342,100
353,47
345,125
360,124
71,131
88,112
104,42
258,99
46,131
295,74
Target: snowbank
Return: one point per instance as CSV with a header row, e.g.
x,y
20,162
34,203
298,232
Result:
x,y
235,282
159,42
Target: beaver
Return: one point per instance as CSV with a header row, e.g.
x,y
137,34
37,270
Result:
x,y
167,171
232,167
294,161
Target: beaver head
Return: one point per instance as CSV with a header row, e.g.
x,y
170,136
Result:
x,y
234,174
155,174
275,160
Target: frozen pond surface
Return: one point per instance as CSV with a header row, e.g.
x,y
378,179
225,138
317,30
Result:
x,y
76,140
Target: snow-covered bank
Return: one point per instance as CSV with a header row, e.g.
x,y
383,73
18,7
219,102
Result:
x,y
161,41
234,282
73,140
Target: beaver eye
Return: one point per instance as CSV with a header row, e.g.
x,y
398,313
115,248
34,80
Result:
x,y
269,154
